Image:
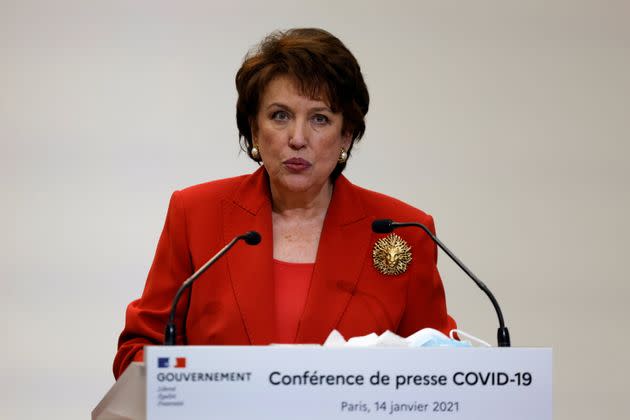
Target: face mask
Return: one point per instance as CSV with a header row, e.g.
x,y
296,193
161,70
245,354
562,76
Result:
x,y
428,337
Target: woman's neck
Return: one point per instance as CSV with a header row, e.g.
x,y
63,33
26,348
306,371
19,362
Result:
x,y
303,204
298,220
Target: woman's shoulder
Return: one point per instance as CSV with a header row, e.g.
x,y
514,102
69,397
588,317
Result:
x,y
247,191
213,189
383,206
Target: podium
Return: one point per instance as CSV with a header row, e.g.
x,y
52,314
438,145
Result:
x,y
314,382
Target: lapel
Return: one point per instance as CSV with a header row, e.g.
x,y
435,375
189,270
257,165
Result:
x,y
342,250
250,267
340,258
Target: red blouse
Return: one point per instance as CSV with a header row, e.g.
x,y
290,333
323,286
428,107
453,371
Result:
x,y
291,281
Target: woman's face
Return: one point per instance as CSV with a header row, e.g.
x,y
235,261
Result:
x,y
299,139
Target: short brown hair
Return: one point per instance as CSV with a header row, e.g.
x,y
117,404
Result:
x,y
321,65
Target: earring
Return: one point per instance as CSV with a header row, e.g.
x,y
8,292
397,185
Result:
x,y
343,156
255,153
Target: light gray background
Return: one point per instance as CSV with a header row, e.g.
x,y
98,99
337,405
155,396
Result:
x,y
506,120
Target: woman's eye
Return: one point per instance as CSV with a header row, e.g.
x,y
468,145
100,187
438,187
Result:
x,y
280,116
320,119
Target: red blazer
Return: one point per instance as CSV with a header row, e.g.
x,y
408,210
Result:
x,y
233,302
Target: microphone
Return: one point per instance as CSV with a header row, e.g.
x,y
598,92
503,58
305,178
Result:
x,y
251,238
388,225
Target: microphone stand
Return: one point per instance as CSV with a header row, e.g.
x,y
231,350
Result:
x,y
386,226
170,332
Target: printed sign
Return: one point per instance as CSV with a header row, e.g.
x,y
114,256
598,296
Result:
x,y
276,382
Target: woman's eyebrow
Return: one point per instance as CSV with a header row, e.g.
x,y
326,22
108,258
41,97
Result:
x,y
277,104
322,108
284,106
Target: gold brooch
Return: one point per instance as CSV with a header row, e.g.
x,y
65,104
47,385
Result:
x,y
391,255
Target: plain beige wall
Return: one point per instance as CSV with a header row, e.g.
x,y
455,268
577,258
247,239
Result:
x,y
506,120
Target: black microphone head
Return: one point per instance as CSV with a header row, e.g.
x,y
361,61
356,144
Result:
x,y
383,226
252,237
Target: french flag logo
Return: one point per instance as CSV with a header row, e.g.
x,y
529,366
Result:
x,y
164,362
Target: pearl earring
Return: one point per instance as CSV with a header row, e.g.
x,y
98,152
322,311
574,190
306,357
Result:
x,y
255,153
343,156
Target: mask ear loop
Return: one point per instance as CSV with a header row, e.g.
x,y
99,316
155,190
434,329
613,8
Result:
x,y
461,333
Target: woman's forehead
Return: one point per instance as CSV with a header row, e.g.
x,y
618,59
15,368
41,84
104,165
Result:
x,y
285,87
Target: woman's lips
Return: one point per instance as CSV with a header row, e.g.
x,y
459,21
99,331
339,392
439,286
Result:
x,y
296,164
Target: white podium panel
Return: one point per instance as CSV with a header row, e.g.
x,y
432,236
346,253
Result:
x,y
312,382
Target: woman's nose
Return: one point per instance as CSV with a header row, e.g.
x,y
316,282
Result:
x,y
298,135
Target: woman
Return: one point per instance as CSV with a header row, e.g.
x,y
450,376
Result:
x,y
301,106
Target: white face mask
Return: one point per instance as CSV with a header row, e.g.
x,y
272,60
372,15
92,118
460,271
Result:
x,y
427,337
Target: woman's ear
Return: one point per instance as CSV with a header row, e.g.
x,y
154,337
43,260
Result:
x,y
346,140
